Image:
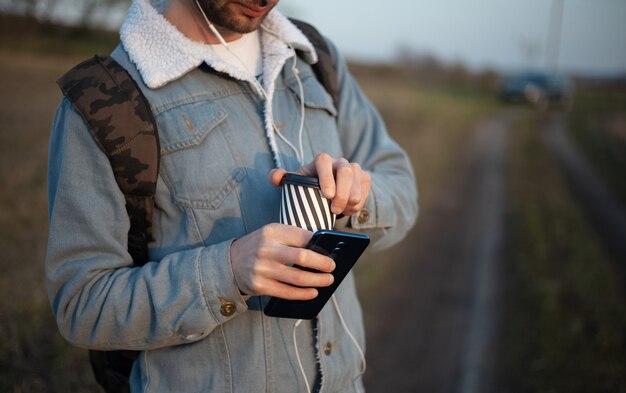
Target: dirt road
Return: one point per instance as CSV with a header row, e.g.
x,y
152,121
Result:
x,y
439,338
435,328
603,210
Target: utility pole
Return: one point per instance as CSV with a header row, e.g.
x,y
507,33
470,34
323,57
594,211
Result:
x,y
554,35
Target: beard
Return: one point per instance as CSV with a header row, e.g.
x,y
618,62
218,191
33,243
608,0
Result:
x,y
226,14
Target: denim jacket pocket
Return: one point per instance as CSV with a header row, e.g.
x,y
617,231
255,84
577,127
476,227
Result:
x,y
198,158
315,96
321,115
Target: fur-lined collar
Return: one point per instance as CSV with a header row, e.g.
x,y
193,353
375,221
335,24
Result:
x,y
163,54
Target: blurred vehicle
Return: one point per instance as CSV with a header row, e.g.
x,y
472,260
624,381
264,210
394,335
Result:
x,y
538,89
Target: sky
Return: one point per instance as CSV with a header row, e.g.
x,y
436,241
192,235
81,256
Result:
x,y
504,35
499,34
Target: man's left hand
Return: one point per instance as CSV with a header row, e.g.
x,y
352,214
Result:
x,y
345,183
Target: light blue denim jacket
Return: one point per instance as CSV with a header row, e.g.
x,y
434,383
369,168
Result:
x,y
213,188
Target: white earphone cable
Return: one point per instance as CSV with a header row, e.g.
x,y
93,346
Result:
x,y
295,345
299,153
211,27
354,340
301,88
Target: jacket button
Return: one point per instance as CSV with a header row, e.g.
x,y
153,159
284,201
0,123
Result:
x,y
228,308
328,348
364,216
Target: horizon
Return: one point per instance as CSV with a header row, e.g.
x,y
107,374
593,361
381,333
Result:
x,y
504,37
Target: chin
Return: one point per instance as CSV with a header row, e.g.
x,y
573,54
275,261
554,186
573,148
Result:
x,y
246,25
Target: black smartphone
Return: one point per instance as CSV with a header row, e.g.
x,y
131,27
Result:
x,y
345,249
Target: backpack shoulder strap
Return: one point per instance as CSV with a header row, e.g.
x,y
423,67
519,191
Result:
x,y
325,69
121,121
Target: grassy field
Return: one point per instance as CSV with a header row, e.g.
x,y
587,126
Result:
x,y
564,322
432,125
26,35
598,125
33,356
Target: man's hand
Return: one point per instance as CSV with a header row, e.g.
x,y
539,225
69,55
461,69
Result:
x,y
261,259
346,184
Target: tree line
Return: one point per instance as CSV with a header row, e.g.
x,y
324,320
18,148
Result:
x,y
84,13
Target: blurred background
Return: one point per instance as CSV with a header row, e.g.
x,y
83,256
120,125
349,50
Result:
x,y
514,116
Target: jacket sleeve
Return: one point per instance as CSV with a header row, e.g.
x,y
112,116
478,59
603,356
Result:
x,y
99,299
391,209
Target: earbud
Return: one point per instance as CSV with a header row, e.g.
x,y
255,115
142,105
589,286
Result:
x,y
211,27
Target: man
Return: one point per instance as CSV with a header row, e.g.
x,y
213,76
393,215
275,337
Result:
x,y
235,104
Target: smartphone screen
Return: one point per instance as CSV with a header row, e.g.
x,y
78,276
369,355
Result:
x,y
345,249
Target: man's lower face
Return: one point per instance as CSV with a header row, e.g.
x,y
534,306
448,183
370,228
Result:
x,y
243,16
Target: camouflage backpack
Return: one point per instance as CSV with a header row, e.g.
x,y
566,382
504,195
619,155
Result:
x,y
119,117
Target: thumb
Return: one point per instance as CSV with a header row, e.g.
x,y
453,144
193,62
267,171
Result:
x,y
276,175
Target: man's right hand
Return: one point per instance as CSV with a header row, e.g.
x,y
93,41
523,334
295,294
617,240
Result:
x,y
261,263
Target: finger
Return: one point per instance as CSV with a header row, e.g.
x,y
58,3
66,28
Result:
x,y
289,292
322,168
271,287
309,259
344,176
276,176
287,235
366,186
302,257
355,192
289,250
308,169
302,278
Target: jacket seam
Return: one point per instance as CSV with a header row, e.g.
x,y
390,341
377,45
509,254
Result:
x,y
199,261
214,96
229,360
146,371
196,140
192,216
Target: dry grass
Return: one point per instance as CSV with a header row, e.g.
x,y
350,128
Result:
x,y
598,126
33,357
432,125
564,322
